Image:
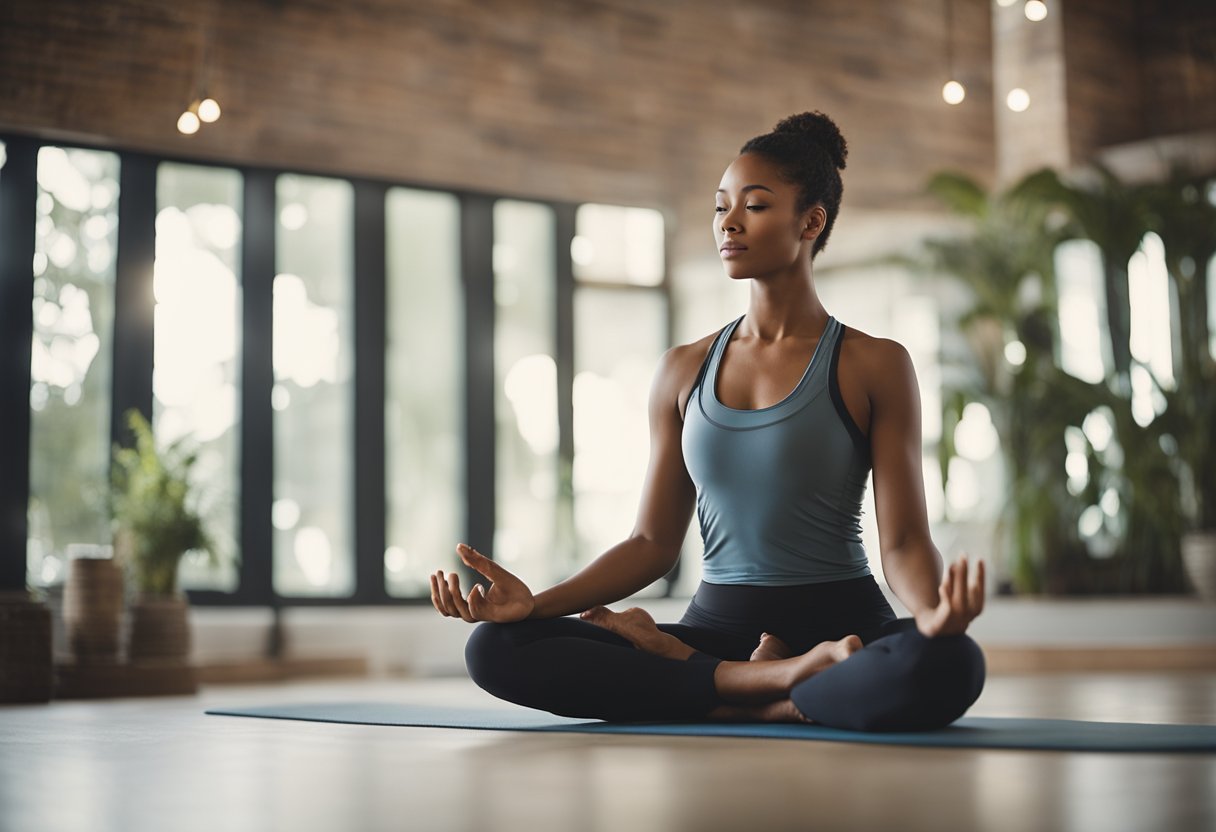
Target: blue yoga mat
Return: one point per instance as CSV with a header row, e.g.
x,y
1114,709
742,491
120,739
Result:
x,y
968,732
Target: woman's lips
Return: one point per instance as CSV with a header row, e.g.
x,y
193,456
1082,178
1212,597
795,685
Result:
x,y
733,252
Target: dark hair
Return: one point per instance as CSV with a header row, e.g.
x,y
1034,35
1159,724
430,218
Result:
x,y
810,152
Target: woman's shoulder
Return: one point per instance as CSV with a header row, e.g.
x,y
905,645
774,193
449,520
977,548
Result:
x,y
679,366
873,358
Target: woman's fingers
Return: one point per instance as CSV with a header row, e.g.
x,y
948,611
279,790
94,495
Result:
x,y
958,599
445,595
462,609
435,594
946,590
477,602
476,560
976,592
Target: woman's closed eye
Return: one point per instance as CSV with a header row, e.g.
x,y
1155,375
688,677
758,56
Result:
x,y
720,209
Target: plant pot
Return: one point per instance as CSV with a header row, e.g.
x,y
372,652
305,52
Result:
x,y
26,671
160,629
1199,559
92,609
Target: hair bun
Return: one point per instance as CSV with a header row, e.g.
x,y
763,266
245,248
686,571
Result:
x,y
818,128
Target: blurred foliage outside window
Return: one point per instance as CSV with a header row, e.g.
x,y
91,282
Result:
x,y
312,398
197,324
73,312
425,388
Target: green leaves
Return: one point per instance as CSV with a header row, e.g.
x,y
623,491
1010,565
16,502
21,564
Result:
x,y
153,508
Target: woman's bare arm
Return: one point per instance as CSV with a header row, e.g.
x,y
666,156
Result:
x,y
911,563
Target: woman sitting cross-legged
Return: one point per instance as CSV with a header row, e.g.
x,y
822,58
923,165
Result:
x,y
769,428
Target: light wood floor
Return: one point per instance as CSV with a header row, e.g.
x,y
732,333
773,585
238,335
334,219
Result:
x,y
160,764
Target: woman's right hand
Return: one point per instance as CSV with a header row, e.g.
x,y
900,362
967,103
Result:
x,y
507,599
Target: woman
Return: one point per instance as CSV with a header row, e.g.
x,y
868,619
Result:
x,y
770,428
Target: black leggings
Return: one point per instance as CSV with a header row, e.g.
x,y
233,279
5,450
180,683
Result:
x,y
899,681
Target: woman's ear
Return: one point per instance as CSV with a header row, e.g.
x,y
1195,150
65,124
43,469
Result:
x,y
816,219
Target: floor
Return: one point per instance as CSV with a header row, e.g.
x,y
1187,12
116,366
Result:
x,y
160,764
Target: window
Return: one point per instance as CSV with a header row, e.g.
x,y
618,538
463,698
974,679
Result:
x,y
620,333
312,397
1212,306
614,244
73,311
196,379
424,416
1080,286
619,338
242,330
1150,342
527,539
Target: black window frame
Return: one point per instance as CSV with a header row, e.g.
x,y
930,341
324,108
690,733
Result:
x,y
133,356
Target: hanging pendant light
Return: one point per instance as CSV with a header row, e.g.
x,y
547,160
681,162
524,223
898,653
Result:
x,y
209,110
953,91
204,108
188,122
1035,10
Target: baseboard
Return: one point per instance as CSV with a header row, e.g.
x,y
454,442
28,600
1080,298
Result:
x,y
104,680
281,670
1008,660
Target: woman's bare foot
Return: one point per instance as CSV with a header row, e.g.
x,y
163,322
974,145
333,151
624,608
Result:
x,y
782,711
637,625
770,649
771,680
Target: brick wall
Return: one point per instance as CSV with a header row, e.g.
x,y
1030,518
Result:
x,y
638,102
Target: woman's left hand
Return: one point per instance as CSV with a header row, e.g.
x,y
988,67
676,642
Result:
x,y
960,602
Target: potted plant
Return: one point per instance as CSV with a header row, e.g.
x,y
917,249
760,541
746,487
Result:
x,y
1035,404
156,522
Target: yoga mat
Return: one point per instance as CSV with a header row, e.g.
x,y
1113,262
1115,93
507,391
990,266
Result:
x,y
968,732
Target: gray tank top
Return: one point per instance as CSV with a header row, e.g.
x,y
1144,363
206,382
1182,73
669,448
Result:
x,y
779,489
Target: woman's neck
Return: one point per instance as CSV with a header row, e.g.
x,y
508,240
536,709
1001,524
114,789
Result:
x,y
783,308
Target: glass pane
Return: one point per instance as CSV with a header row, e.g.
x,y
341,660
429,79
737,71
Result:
x,y
618,245
1148,287
526,535
424,407
1080,285
75,241
1212,306
612,377
196,379
918,328
312,396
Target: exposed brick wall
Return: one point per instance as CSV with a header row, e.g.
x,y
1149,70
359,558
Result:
x,y
1137,69
638,102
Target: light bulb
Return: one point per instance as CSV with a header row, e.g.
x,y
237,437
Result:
x,y
1035,10
1017,100
187,123
953,92
209,110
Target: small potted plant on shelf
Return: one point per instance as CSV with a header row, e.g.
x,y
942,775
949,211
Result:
x,y
156,522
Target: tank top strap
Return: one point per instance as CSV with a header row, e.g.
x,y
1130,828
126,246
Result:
x,y
715,347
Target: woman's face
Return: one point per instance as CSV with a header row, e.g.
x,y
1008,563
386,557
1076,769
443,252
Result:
x,y
756,224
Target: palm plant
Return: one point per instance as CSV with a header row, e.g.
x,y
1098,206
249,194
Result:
x,y
1182,211
1033,404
